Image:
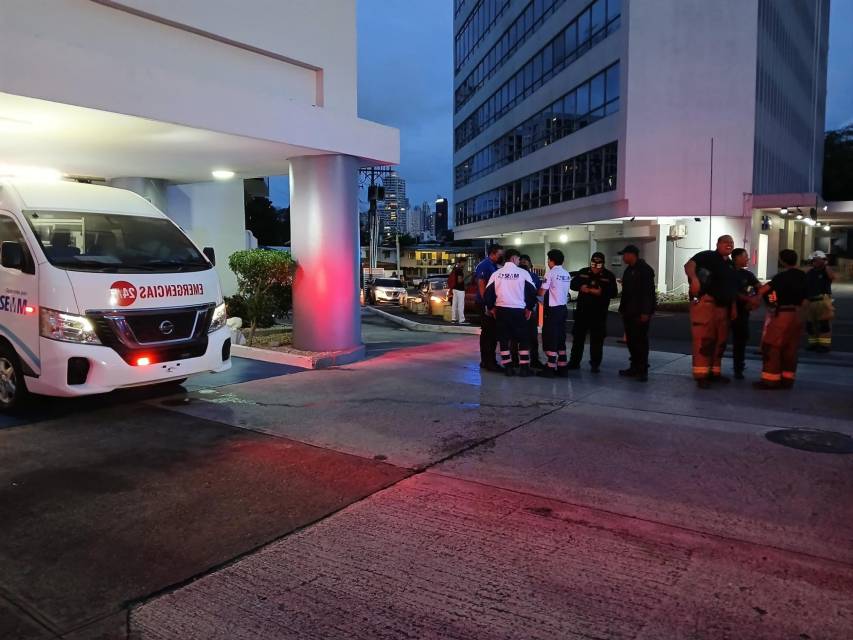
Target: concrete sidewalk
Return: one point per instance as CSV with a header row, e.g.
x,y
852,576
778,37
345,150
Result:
x,y
589,507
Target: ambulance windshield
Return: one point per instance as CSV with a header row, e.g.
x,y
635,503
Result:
x,y
110,243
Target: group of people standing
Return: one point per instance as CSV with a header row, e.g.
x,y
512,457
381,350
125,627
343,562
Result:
x,y
723,292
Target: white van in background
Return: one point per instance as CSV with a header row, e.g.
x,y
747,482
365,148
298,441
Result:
x,y
99,290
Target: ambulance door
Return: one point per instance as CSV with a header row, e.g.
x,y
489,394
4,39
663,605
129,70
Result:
x,y
19,317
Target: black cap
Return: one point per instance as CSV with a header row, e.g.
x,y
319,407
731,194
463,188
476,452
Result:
x,y
597,256
631,248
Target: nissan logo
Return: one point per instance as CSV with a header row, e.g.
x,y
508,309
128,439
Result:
x,y
166,327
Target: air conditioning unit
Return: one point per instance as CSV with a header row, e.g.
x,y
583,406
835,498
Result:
x,y
677,231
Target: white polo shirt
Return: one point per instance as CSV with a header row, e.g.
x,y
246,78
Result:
x,y
556,285
509,282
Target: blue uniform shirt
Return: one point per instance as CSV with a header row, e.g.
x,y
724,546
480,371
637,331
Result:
x,y
483,272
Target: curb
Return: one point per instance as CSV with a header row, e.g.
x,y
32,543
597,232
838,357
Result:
x,y
420,326
303,359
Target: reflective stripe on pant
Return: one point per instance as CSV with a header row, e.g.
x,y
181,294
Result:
x,y
780,345
709,327
512,326
818,323
457,306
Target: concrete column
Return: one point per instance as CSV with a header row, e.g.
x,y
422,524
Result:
x,y
152,189
325,245
547,247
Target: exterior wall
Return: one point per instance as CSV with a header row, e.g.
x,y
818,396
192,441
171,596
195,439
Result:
x,y
791,96
212,214
691,77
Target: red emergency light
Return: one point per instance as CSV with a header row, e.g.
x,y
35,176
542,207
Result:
x,y
144,361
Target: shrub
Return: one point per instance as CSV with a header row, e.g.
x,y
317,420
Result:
x,y
264,281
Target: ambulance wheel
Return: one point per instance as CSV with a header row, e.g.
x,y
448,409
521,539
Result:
x,y
13,389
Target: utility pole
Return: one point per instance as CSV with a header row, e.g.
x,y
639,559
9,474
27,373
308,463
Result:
x,y
711,200
375,192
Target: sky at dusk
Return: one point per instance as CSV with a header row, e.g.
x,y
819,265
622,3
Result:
x,y
405,80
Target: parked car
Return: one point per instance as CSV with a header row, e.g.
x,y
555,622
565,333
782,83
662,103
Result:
x,y
383,290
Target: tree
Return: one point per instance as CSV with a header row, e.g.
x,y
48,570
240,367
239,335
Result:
x,y
269,225
838,164
260,273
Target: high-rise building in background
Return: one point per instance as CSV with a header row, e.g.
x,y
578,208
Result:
x,y
440,219
588,125
393,210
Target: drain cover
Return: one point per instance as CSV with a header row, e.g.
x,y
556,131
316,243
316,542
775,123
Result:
x,y
814,440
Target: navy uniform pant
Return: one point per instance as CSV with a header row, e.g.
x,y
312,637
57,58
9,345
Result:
x,y
637,339
593,322
512,327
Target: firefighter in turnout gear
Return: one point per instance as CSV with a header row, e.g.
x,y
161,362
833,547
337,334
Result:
x,y
555,292
511,296
819,312
713,291
596,287
782,332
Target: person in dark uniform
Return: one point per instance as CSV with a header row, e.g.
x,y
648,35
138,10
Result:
x,y
533,323
488,329
596,286
747,300
510,297
782,332
713,291
819,310
636,307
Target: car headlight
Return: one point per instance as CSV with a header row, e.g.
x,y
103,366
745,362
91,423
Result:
x,y
219,318
66,327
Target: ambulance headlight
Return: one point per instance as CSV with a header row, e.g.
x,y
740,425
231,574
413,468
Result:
x,y
219,318
67,327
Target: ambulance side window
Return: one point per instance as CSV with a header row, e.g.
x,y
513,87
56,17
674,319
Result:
x,y
10,232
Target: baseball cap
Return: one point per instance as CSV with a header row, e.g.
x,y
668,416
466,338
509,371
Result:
x,y
597,257
631,248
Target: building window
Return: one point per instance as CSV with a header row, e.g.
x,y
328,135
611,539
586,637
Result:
x,y
577,38
588,174
588,102
477,25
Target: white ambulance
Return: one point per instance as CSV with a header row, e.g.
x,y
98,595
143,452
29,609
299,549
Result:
x,y
99,290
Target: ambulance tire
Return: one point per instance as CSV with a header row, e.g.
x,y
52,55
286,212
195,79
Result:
x,y
14,395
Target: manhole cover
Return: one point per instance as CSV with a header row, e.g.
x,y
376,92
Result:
x,y
814,440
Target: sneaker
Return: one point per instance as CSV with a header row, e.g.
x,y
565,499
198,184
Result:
x,y
627,373
509,371
594,368
738,375
547,372
524,371
642,377
703,383
722,379
767,386
562,372
536,364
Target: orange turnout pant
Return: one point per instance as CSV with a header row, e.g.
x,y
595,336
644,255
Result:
x,y
780,345
709,325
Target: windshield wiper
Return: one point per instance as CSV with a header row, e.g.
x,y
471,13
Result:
x,y
166,264
89,265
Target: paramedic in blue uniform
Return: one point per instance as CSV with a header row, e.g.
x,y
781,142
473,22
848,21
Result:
x,y
488,330
510,295
533,323
555,289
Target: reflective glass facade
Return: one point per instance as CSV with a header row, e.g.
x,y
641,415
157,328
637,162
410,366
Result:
x,y
478,24
584,175
587,103
590,27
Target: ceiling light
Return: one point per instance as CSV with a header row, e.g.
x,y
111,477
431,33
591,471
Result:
x,y
825,208
518,240
826,227
29,173
564,237
783,211
799,216
11,125
222,174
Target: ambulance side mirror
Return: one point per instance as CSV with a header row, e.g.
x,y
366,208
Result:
x,y
12,255
210,254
